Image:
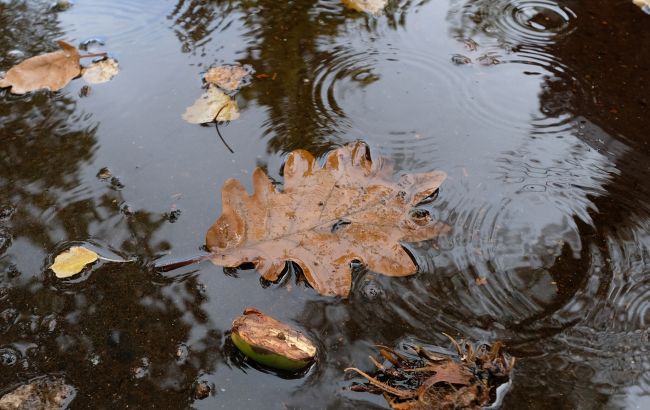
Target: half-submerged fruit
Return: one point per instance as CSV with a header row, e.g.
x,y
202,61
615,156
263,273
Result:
x,y
270,342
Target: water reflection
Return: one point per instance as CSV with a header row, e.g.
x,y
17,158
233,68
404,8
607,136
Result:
x,y
305,67
547,194
118,325
601,300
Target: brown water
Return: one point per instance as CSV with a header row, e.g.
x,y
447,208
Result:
x,y
544,137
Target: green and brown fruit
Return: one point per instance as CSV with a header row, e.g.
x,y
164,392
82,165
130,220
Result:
x,y
272,343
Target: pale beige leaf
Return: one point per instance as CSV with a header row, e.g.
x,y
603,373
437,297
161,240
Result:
x,y
368,6
42,394
52,71
226,77
72,261
206,108
643,4
326,217
101,71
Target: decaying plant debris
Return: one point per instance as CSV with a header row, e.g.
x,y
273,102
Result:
x,y
421,379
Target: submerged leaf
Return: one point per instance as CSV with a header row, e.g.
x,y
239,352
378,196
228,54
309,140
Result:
x,y
206,108
368,6
325,218
270,342
226,77
100,71
72,261
52,71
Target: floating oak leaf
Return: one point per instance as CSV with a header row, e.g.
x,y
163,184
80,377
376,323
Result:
x,y
100,71
226,77
368,6
206,108
72,261
327,217
52,71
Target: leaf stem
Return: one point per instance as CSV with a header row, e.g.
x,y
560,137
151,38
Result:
x,y
115,260
216,125
166,267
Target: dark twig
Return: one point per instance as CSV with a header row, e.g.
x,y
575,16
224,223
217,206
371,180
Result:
x,y
216,125
166,267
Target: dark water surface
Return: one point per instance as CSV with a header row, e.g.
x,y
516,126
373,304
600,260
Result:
x,y
544,137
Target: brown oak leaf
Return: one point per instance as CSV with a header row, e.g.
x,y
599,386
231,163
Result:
x,y
326,217
52,71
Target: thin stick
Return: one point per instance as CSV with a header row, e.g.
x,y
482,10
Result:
x,y
93,55
216,125
401,393
166,267
115,260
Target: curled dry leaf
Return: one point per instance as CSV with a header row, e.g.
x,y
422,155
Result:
x,y
327,217
100,71
437,381
270,342
72,261
226,77
52,71
206,108
368,6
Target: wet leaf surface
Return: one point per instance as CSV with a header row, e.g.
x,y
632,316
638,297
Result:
x,y
368,6
100,71
72,261
425,380
212,103
52,71
325,218
41,394
228,78
270,342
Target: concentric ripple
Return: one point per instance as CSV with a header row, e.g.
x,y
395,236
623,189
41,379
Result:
x,y
121,21
521,22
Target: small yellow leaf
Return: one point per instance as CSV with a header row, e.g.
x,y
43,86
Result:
x,y
72,261
206,108
100,71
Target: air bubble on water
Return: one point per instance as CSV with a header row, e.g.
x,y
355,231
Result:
x,y
94,359
8,357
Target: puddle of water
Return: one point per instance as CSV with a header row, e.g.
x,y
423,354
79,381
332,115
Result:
x,y
542,130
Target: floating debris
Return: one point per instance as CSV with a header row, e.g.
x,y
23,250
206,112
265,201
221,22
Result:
x,y
426,380
43,393
213,105
228,77
270,342
100,71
